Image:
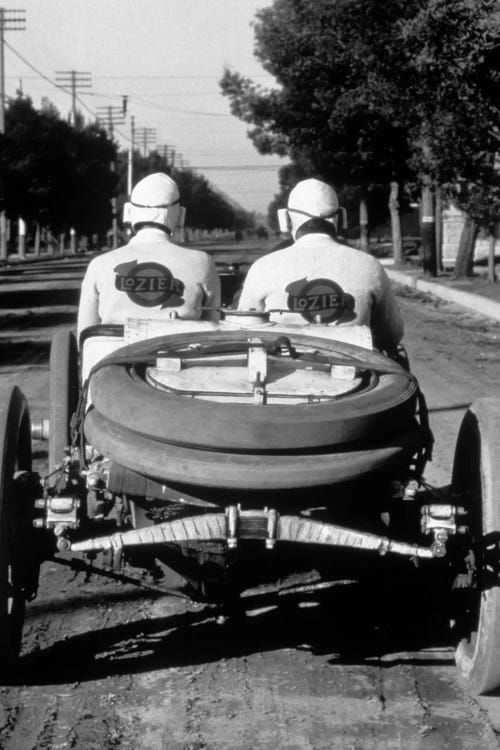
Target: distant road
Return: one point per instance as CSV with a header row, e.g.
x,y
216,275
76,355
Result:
x,y
31,283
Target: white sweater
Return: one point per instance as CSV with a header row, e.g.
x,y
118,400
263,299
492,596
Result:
x,y
282,280
148,278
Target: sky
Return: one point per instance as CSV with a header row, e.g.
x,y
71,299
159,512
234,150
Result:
x,y
167,56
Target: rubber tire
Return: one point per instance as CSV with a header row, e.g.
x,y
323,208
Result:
x,y
206,468
63,395
15,455
376,413
476,470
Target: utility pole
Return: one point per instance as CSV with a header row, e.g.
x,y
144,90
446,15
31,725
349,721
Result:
x,y
112,116
147,136
165,150
75,80
130,164
10,20
428,228
428,217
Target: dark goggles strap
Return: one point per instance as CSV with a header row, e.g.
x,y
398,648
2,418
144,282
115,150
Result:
x,y
314,216
159,205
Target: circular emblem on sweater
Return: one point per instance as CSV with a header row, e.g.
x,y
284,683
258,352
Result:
x,y
319,300
149,284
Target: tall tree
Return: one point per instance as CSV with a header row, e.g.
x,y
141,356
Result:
x,y
450,84
371,92
52,174
335,110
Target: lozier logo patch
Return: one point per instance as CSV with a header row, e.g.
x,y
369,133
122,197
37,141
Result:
x,y
320,301
149,284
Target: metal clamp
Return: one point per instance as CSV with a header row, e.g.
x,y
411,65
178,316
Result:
x,y
251,524
257,361
441,522
59,509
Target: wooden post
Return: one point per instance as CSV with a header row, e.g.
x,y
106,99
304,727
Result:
x,y
72,241
439,230
3,236
492,277
21,238
4,252
37,239
464,261
428,229
397,243
363,224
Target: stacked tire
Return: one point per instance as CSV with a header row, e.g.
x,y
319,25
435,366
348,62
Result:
x,y
232,445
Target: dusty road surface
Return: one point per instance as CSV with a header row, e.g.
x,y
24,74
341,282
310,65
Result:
x,y
349,667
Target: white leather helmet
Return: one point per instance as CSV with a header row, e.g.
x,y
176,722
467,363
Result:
x,y
155,200
310,199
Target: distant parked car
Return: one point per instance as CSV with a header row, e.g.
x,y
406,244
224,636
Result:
x,y
383,248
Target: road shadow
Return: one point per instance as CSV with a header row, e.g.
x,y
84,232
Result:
x,y
31,320
24,352
38,298
353,623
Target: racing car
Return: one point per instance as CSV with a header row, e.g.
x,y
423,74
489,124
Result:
x,y
232,452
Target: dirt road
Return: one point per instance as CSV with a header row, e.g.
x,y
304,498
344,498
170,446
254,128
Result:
x,y
345,667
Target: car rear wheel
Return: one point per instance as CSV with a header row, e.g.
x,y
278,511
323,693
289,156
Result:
x,y
476,485
15,524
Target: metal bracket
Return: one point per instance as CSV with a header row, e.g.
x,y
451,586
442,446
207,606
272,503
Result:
x,y
441,522
257,361
249,524
59,509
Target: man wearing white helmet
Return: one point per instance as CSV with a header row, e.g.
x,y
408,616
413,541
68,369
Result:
x,y
151,276
319,279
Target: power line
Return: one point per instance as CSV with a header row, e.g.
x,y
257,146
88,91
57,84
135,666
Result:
x,y
30,65
53,83
135,99
46,78
170,77
154,105
150,77
240,167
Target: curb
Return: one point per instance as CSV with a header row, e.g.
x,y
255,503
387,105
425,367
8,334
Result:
x,y
475,302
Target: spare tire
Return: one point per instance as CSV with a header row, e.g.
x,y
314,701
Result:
x,y
251,471
383,407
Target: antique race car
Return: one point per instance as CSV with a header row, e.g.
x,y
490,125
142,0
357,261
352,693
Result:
x,y
233,452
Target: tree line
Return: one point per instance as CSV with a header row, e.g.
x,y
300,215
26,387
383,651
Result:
x,y
370,94
58,178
